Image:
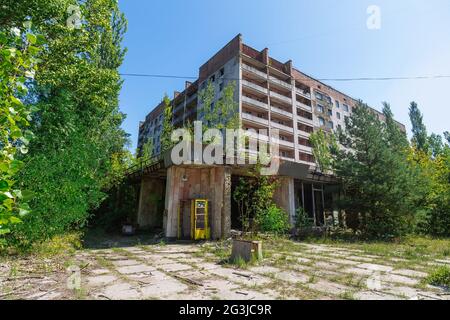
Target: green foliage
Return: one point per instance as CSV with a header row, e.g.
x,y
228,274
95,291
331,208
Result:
x,y
273,219
223,113
323,144
447,136
78,138
440,277
148,149
302,220
434,216
257,211
436,144
433,165
420,137
18,63
378,181
396,139
167,127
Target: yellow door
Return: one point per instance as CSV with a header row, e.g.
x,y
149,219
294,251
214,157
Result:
x,y
200,227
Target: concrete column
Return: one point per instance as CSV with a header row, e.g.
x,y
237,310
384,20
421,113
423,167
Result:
x,y
226,208
150,211
284,196
171,204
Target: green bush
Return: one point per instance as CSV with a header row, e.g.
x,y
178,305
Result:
x,y
302,221
273,219
440,277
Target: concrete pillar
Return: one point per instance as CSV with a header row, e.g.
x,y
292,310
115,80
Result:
x,y
171,204
226,208
284,196
216,183
150,211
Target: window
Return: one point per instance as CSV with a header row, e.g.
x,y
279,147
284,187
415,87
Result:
x,y
339,127
330,112
337,104
319,108
321,121
319,96
330,124
345,107
211,106
329,100
338,115
213,78
222,72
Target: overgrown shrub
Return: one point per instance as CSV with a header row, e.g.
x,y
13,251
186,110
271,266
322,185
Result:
x,y
440,277
257,210
77,122
302,220
273,219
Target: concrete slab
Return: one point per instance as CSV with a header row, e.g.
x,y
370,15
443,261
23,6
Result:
x,y
140,268
375,267
174,267
122,263
163,289
121,291
292,277
100,280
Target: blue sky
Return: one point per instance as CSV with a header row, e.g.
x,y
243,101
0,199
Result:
x,y
324,38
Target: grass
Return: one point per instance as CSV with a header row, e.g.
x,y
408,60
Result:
x,y
347,295
410,248
439,277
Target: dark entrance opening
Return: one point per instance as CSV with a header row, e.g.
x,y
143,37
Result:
x,y
311,198
235,219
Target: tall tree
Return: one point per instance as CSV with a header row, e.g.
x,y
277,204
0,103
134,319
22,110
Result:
x,y
436,144
377,182
395,137
17,67
420,136
77,128
447,136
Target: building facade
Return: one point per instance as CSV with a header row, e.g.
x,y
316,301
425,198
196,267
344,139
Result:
x,y
270,95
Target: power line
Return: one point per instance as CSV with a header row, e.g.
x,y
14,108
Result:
x,y
316,79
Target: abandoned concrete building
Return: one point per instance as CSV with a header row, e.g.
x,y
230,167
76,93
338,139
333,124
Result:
x,y
195,201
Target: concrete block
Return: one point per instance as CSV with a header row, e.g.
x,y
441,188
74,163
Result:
x,y
247,250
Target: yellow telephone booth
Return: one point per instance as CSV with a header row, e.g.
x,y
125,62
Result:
x,y
193,219
200,229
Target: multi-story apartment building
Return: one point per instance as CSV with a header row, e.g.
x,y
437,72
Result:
x,y
270,94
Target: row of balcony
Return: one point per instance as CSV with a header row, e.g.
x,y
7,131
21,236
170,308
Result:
x,y
258,104
188,101
281,142
276,80
274,94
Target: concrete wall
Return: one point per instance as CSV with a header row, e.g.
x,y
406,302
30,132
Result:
x,y
184,183
151,205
